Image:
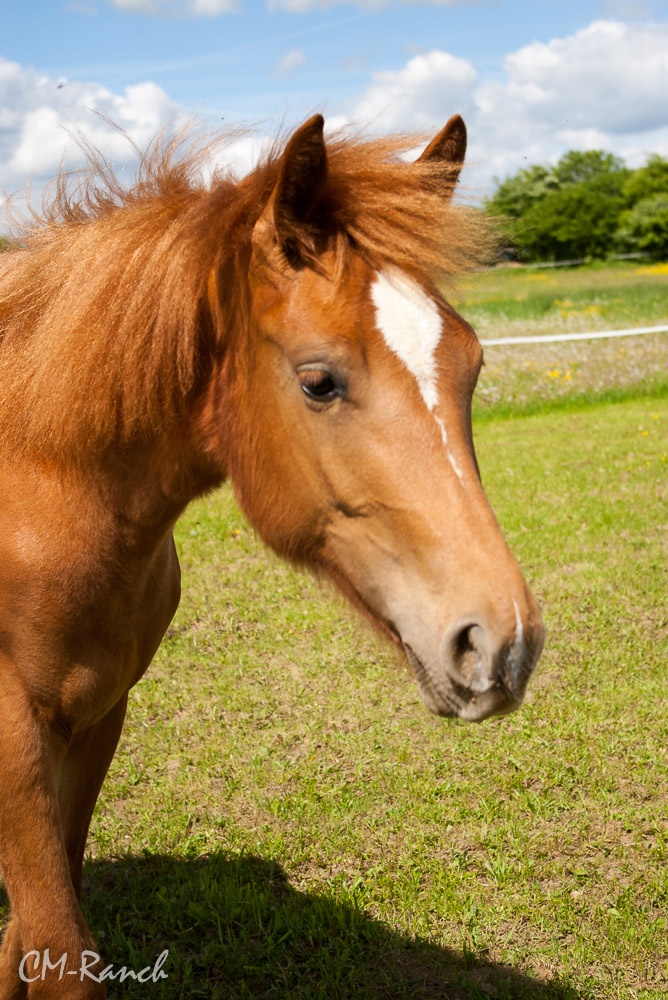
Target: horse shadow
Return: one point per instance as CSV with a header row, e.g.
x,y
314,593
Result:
x,y
235,929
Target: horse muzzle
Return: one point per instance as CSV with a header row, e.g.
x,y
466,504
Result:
x,y
481,670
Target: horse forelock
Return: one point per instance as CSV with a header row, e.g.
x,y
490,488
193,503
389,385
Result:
x,y
109,320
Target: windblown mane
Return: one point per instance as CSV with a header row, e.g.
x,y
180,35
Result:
x,y
105,327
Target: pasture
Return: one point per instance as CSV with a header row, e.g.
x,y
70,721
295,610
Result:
x,y
511,302
288,820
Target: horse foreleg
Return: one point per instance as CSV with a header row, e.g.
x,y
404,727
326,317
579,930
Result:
x,y
46,922
82,774
12,987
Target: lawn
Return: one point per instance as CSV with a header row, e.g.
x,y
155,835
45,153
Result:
x,y
285,817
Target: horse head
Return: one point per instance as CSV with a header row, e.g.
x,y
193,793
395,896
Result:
x,y
349,437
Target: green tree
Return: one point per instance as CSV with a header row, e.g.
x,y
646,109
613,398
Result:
x,y
570,212
578,166
515,200
573,222
515,196
645,226
647,181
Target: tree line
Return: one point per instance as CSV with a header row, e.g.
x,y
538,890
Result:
x,y
590,205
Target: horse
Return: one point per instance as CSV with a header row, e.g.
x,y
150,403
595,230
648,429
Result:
x,y
287,331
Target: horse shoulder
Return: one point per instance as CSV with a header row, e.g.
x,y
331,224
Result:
x,y
84,599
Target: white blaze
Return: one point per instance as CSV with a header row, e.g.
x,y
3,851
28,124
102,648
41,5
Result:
x,y
411,326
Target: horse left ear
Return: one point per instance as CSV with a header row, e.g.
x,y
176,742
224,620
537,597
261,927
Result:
x,y
295,198
449,146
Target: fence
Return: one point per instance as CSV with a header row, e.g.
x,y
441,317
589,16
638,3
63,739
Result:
x,y
559,337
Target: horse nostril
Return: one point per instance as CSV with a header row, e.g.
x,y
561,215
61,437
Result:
x,y
467,655
488,667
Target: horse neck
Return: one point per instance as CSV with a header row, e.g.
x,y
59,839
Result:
x,y
150,484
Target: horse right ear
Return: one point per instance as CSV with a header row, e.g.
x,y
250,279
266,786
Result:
x,y
449,146
292,208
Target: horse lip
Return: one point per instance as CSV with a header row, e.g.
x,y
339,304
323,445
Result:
x,y
435,700
492,701
471,704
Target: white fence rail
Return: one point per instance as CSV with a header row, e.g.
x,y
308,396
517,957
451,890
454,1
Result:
x,y
560,337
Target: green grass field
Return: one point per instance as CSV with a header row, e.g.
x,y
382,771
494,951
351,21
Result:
x,y
512,301
285,817
520,302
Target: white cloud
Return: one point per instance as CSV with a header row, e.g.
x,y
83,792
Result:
x,y
290,62
425,91
602,87
241,155
39,114
610,75
179,8
39,117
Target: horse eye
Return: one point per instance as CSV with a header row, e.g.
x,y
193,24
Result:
x,y
319,386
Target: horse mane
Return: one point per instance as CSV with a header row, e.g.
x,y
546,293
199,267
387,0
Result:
x,y
106,330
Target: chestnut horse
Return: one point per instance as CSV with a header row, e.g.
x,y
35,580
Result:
x,y
285,330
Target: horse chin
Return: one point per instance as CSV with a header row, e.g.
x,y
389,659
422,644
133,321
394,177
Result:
x,y
452,697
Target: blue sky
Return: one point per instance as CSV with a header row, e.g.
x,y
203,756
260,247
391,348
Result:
x,y
532,79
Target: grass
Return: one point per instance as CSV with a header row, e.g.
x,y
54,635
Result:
x,y
514,301
285,817
522,302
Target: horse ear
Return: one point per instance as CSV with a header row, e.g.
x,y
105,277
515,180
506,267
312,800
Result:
x,y
449,146
295,198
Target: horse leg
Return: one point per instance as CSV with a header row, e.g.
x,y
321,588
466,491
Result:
x,y
46,920
12,986
83,772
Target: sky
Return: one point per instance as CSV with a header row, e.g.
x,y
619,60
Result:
x,y
532,79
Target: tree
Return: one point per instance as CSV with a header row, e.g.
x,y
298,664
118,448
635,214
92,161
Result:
x,y
579,166
647,181
645,226
570,212
515,196
573,222
515,200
